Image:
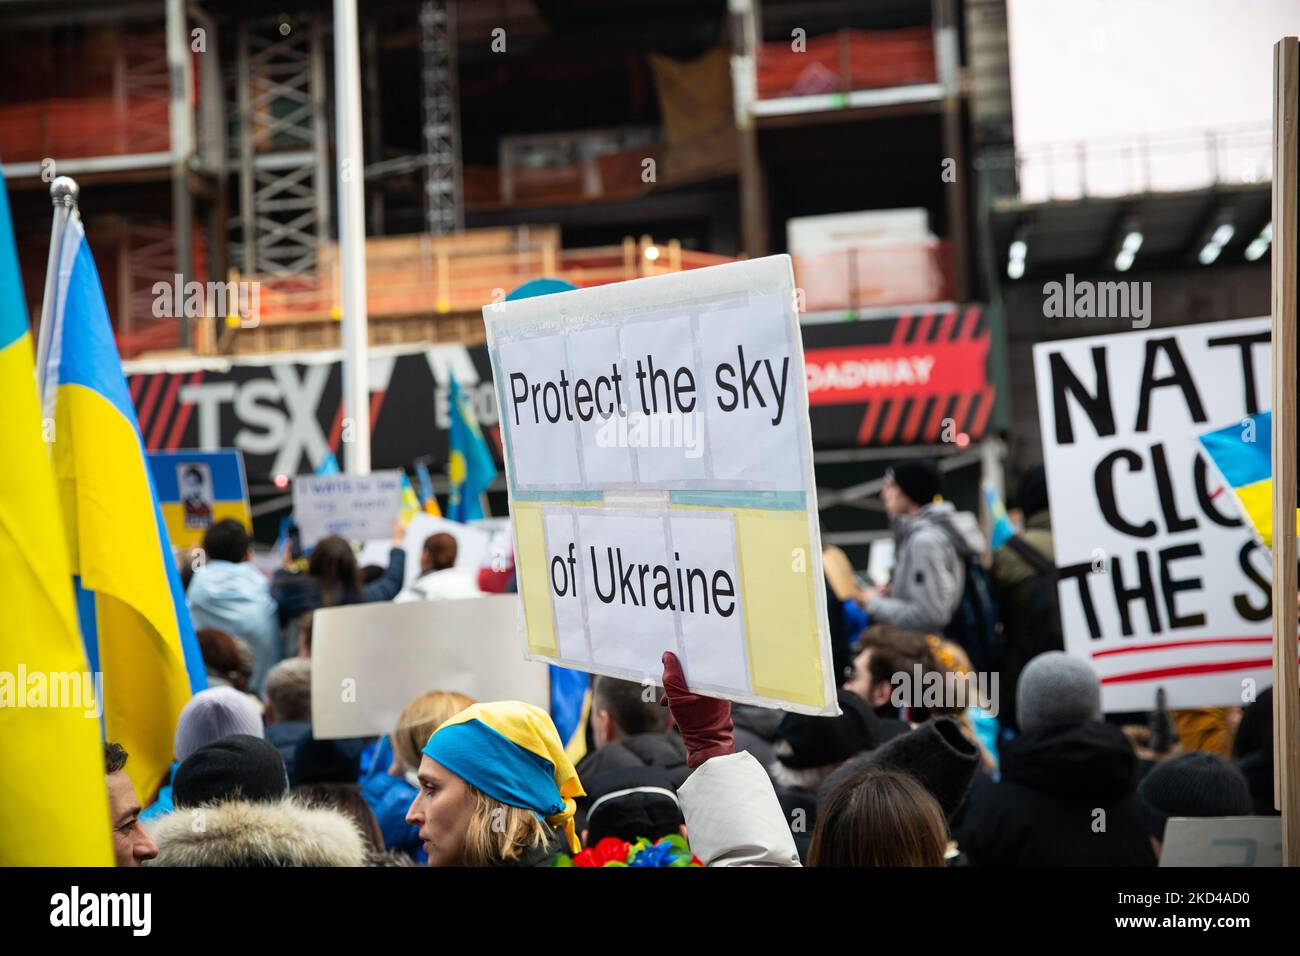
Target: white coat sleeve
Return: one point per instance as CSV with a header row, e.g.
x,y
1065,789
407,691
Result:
x,y
733,817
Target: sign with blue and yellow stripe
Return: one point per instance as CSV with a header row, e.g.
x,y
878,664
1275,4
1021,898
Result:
x,y
196,489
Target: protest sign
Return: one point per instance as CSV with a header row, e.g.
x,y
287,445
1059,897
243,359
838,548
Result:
x,y
1222,841
358,507
1162,583
659,464
369,660
196,489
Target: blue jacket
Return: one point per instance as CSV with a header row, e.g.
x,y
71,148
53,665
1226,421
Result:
x,y
389,798
163,805
236,598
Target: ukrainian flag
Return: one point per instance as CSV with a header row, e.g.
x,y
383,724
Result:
x,y
134,622
571,708
428,500
53,805
1001,530
410,502
471,466
1243,452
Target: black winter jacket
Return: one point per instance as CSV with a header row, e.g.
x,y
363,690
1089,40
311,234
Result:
x,y
1044,811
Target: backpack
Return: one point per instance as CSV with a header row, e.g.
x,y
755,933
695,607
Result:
x,y
974,625
1044,609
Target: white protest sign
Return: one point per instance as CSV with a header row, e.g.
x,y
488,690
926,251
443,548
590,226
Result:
x,y
659,462
1162,583
369,660
1222,841
358,507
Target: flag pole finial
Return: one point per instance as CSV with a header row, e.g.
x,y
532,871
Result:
x,y
64,192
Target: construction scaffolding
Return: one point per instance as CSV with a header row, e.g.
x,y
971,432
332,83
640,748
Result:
x,y
282,148
444,210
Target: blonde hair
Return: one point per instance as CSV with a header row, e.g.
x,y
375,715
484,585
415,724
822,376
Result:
x,y
420,718
498,833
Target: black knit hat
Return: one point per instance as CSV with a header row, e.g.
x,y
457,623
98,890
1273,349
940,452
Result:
x,y
235,767
818,741
937,753
919,479
630,803
1195,784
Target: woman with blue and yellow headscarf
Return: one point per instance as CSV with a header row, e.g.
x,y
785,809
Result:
x,y
496,789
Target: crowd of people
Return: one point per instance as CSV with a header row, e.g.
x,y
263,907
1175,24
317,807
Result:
x,y
1027,771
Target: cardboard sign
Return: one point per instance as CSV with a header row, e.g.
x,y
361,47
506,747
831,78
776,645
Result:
x,y
659,463
1222,841
196,489
358,507
1162,583
370,660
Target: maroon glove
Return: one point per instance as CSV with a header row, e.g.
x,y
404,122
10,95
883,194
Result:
x,y
705,722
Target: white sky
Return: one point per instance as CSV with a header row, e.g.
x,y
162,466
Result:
x,y
1089,70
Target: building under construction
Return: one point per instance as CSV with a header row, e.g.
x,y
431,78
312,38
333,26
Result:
x,y
507,140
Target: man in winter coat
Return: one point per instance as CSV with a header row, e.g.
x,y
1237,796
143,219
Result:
x,y
233,809
1066,796
630,729
228,593
288,708
932,542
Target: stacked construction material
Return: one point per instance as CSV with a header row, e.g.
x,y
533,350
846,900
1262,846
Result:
x,y
867,259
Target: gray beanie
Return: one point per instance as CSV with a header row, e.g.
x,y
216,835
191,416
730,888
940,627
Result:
x,y
1056,688
212,714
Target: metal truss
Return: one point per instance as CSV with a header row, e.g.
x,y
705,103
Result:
x,y
284,170
444,209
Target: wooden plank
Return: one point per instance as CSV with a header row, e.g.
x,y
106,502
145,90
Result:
x,y
1286,244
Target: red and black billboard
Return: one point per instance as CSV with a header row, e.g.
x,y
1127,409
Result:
x,y
900,380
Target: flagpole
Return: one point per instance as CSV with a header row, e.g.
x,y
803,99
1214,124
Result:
x,y
352,234
64,193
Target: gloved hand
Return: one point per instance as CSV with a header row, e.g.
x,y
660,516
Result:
x,y
705,722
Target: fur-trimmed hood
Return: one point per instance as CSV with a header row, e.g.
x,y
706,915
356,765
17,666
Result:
x,y
240,833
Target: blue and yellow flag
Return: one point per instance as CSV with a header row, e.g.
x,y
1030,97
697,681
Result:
x,y
1001,530
53,804
1243,453
410,501
134,622
571,708
471,466
428,500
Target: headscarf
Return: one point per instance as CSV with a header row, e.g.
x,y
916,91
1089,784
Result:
x,y
512,752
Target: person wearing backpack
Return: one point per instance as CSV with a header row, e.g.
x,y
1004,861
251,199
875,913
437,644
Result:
x,y
1023,580
937,577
